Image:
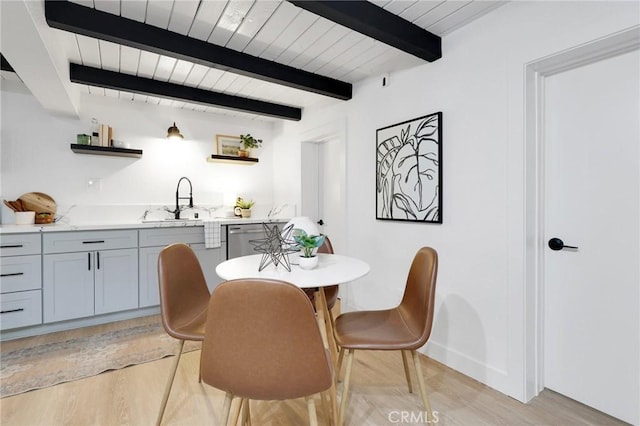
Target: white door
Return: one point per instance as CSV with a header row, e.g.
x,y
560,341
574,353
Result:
x,y
592,201
323,188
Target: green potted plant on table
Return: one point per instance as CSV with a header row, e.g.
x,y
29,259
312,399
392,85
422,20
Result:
x,y
248,143
245,207
308,245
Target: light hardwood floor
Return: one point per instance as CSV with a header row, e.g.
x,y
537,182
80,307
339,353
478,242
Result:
x,y
379,396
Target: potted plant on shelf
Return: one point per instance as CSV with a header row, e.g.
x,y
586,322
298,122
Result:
x,y
245,207
248,143
308,245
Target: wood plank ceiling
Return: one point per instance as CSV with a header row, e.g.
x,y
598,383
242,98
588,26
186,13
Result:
x,y
274,30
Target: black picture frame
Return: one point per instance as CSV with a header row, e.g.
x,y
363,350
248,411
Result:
x,y
409,170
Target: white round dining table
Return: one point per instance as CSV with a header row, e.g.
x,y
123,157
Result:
x,y
332,269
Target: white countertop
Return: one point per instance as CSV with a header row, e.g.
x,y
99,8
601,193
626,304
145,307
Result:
x,y
108,225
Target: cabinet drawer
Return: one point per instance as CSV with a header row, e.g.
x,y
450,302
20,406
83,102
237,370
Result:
x,y
165,236
20,244
19,273
20,309
65,242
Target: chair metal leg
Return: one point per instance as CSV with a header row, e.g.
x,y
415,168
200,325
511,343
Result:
x,y
406,370
167,388
345,389
311,407
421,384
226,408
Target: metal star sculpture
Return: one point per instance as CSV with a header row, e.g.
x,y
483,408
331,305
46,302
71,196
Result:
x,y
275,248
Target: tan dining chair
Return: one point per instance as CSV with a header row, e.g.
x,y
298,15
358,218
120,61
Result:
x,y
262,342
331,291
184,298
406,327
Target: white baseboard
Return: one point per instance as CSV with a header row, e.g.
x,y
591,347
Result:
x,y
491,376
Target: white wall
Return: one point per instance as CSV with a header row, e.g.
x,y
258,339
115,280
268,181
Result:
x,y
35,155
479,87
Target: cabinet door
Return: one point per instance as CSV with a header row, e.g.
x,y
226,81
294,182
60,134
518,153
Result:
x,y
149,290
149,293
209,259
116,280
67,287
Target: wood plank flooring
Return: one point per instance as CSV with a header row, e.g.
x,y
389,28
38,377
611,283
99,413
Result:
x,y
379,396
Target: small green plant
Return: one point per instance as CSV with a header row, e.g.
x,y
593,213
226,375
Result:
x,y
244,204
249,141
307,242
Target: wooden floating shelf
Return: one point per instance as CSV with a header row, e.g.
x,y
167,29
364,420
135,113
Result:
x,y
214,158
104,150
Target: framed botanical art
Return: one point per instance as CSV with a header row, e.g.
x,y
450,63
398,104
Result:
x,y
409,170
228,145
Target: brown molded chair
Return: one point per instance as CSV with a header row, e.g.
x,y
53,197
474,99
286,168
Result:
x,y
330,292
262,342
184,298
406,327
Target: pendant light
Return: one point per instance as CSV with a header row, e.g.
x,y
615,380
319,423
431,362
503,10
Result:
x,y
174,133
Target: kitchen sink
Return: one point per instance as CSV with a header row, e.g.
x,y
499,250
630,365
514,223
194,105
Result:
x,y
170,220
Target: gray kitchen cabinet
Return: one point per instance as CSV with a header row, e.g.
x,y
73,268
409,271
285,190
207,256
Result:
x,y
152,241
89,273
20,281
116,280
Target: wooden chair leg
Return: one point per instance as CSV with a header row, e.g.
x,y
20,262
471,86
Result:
x,y
421,385
339,365
325,407
226,408
311,407
237,411
246,413
333,399
345,389
406,370
167,388
333,322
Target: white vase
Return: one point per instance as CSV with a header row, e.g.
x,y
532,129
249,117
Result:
x,y
308,262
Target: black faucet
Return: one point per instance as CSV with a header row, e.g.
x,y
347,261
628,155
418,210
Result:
x,y
176,212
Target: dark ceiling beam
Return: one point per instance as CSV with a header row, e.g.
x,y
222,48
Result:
x,y
90,22
373,21
131,83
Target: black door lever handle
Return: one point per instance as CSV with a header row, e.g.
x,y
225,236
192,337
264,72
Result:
x,y
558,244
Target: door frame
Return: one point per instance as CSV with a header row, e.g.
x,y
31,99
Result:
x,y
535,74
334,132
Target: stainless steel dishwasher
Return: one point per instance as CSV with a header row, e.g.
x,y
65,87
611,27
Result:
x,y
238,237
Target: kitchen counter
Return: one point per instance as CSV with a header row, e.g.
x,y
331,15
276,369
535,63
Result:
x,y
86,226
67,275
